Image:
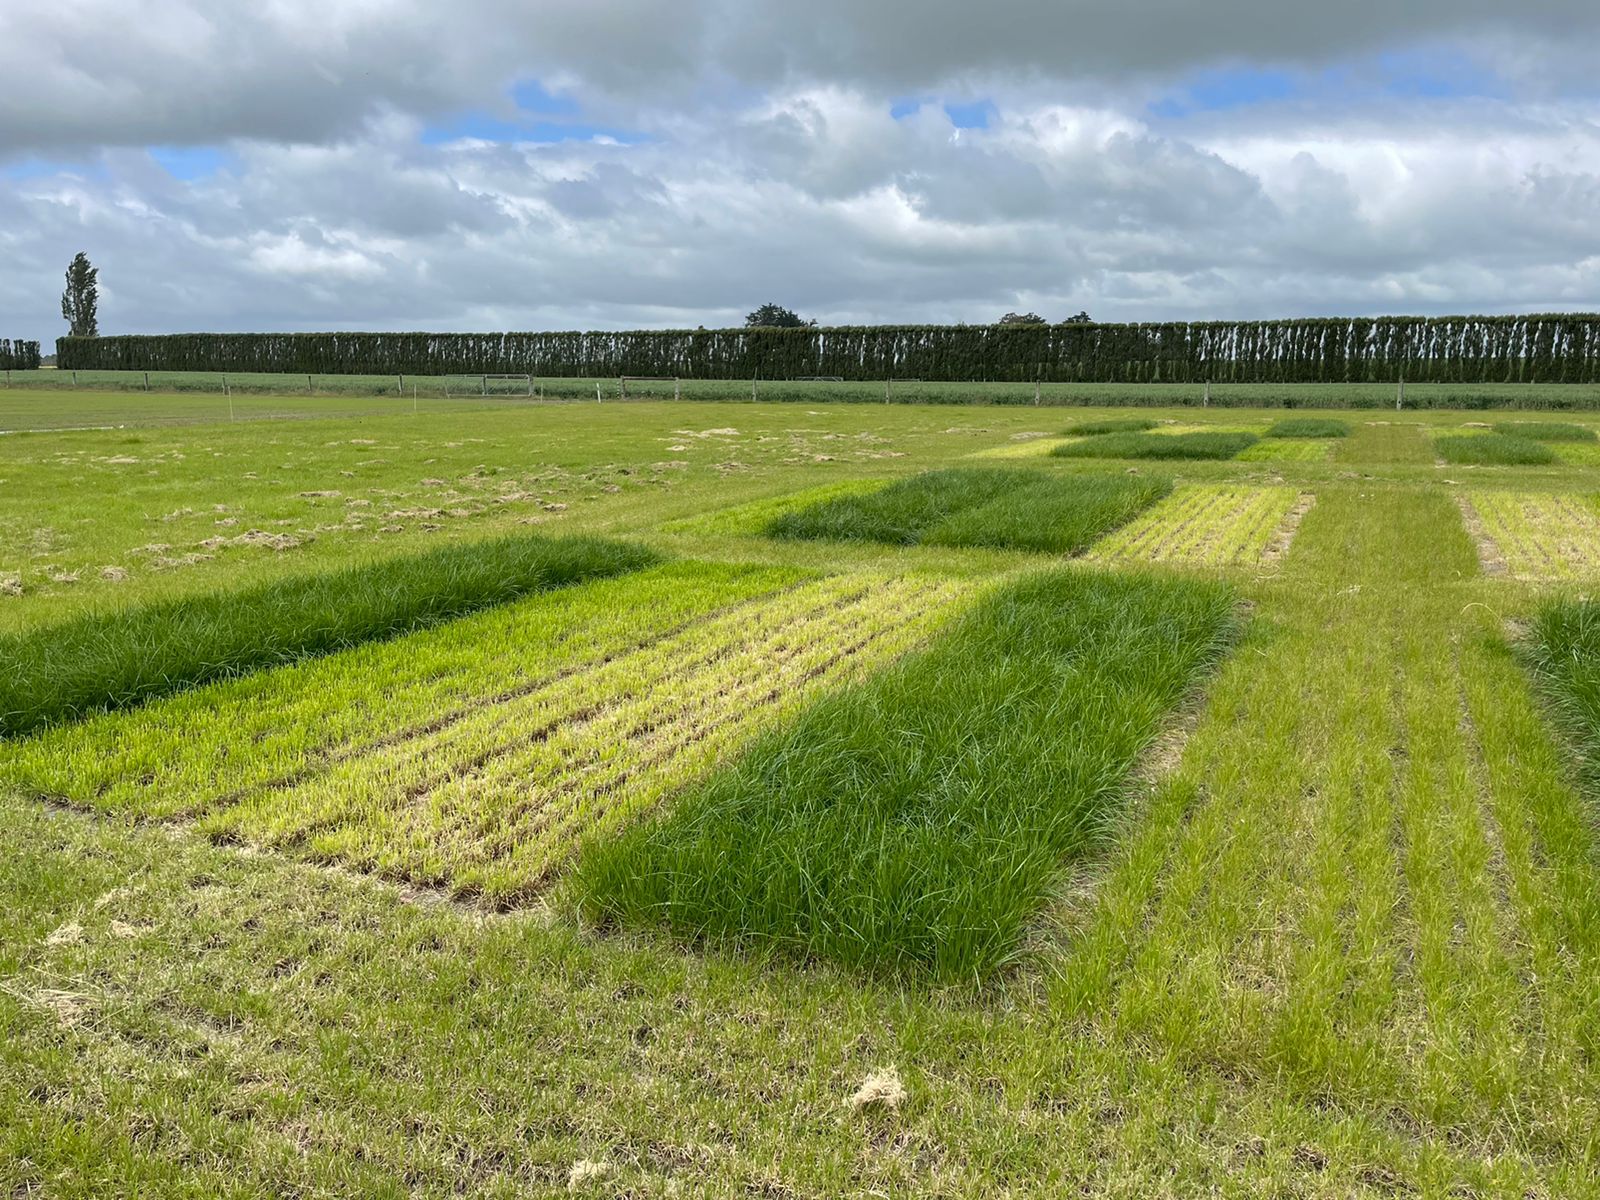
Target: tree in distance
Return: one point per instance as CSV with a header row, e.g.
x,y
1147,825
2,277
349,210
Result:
x,y
81,300
776,316
1082,318
1027,318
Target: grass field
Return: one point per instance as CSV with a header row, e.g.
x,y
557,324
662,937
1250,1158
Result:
x,y
1251,853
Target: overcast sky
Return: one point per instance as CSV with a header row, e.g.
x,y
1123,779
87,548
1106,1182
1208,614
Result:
x,y
489,164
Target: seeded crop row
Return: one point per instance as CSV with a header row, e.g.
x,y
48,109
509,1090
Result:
x,y
1542,536
919,820
1023,510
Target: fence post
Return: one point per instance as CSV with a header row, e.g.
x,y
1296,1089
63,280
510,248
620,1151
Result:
x,y
1036,393
622,388
1205,401
886,389
752,391
597,399
74,378
484,387
399,385
1400,392
147,381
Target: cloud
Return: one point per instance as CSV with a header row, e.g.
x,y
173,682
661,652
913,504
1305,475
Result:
x,y
401,165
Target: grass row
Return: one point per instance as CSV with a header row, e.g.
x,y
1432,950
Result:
x,y
919,820
1023,510
112,659
1492,449
1309,427
1211,525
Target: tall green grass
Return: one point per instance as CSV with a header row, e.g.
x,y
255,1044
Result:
x,y
1052,515
1563,650
1492,449
919,821
1113,425
1158,445
113,659
1309,427
1023,510
1546,431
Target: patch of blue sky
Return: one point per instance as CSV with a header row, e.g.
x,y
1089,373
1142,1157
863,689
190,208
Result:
x,y
1222,89
484,127
973,114
189,163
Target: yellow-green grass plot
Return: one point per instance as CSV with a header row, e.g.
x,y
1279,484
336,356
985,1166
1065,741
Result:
x,y
491,797
1537,536
1211,525
1028,447
1288,450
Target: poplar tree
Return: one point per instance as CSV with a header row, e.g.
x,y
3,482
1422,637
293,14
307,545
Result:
x,y
81,300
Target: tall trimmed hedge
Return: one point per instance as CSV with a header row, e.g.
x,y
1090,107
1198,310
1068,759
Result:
x,y
1523,349
17,355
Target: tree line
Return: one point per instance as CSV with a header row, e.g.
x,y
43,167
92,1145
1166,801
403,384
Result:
x,y
1549,348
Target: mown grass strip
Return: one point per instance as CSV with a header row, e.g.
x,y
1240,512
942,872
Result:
x,y
919,820
1008,509
1111,425
1308,427
1217,446
1546,431
1492,449
122,657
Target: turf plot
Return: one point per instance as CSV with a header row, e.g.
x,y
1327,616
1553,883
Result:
x,y
1177,446
1492,449
1210,525
1537,536
1022,510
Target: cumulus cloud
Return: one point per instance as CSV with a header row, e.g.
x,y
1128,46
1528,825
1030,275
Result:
x,y
622,162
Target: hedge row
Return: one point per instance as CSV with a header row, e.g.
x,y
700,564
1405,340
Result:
x,y
18,355
1523,349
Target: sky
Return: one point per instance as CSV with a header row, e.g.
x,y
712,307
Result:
x,y
598,164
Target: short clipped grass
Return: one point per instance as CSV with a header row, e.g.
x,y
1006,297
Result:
x,y
1546,431
1111,425
1217,446
919,820
1308,427
1492,449
112,659
1007,509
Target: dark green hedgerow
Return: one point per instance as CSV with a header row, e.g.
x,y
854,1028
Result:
x,y
1309,427
918,821
1004,509
1492,449
1158,446
1546,431
118,658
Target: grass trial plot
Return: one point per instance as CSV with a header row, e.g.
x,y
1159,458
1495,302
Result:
x,y
1546,431
1563,652
1221,445
1021,510
1112,425
920,819
1210,525
1492,449
1308,427
1538,536
114,659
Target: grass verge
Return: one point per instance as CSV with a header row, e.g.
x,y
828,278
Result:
x,y
1158,445
1492,449
919,820
114,659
